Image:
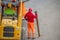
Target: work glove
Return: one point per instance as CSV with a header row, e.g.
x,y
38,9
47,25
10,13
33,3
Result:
x,y
26,19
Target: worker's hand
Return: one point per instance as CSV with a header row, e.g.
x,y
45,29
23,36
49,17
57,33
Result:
x,y
26,19
36,14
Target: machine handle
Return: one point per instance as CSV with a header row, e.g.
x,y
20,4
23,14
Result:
x,y
38,29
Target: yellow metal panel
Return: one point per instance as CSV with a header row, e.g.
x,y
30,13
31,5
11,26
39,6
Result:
x,y
20,18
17,28
23,9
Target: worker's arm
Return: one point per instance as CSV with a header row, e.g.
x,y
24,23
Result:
x,y
35,16
25,17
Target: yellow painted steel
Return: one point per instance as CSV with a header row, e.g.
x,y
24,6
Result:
x,y
16,24
23,9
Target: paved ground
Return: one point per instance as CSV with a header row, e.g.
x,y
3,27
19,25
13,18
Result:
x,y
49,18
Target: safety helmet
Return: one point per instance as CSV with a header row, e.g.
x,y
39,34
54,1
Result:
x,y
30,9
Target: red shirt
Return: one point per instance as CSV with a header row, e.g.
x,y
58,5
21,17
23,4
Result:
x,y
30,17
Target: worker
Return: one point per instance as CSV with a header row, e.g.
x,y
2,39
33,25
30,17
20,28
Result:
x,y
30,22
9,10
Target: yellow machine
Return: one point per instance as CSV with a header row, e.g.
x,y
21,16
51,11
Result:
x,y
11,25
